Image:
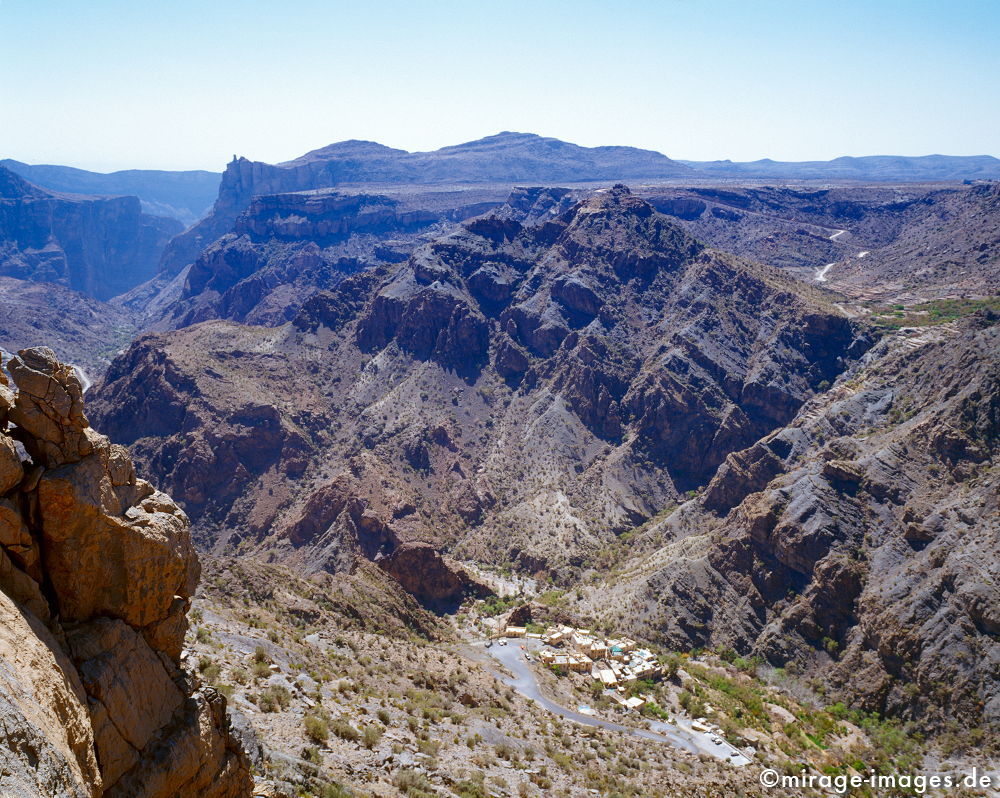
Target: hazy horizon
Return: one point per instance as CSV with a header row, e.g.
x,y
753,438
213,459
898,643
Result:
x,y
623,144
116,85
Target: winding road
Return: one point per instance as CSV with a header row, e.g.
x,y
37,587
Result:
x,y
821,272
524,682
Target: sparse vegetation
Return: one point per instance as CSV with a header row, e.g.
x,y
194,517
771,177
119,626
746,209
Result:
x,y
927,314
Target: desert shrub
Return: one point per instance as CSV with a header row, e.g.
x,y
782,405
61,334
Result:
x,y
413,784
274,699
371,735
317,729
428,747
261,670
472,787
344,730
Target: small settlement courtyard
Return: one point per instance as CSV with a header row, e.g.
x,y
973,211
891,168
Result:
x,y
616,663
621,675
701,702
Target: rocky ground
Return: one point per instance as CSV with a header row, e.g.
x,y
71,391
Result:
x,y
344,701
80,330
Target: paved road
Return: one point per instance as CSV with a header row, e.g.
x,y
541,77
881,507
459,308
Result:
x,y
525,682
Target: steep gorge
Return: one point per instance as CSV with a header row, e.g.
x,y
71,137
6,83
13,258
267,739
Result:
x,y
100,246
516,390
849,544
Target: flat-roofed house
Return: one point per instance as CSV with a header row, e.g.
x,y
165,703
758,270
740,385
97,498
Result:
x,y
580,663
598,650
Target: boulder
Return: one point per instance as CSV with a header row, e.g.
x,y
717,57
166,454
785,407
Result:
x,y
96,704
48,409
81,510
11,470
843,471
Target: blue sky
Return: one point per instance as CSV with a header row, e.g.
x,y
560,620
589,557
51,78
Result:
x,y
108,85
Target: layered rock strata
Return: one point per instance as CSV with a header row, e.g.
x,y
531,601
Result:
x,y
520,389
100,246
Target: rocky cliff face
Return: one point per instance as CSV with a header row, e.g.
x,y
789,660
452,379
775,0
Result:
x,y
285,247
96,575
850,544
515,391
184,196
98,246
505,159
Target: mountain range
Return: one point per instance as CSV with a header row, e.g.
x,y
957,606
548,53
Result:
x,y
745,428
871,168
184,196
501,158
564,383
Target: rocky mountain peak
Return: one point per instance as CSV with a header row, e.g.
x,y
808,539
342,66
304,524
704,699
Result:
x,y
626,232
14,187
348,148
